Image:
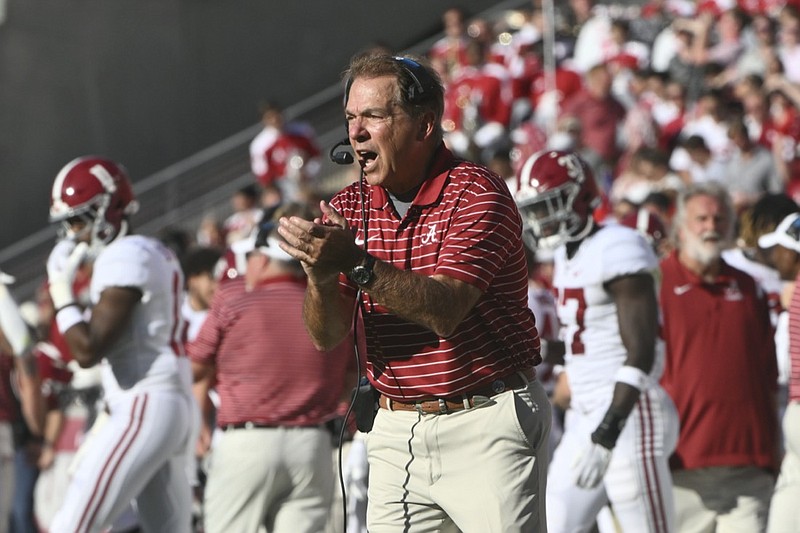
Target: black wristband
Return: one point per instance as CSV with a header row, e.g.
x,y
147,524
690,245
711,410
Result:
x,y
608,431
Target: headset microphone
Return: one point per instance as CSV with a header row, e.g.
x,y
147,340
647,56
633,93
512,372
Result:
x,y
341,157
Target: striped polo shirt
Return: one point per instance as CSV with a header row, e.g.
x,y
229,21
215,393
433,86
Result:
x,y
267,369
794,343
463,223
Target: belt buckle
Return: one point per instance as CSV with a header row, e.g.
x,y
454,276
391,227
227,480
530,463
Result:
x,y
443,410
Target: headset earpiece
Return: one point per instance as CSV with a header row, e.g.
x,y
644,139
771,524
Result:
x,y
422,81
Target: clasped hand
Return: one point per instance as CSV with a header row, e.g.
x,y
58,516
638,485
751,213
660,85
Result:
x,y
325,246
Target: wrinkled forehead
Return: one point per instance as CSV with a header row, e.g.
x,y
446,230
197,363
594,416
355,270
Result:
x,y
367,93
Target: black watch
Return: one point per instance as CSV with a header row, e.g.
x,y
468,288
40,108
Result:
x,y
362,274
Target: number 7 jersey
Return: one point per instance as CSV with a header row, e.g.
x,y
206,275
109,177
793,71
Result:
x,y
588,314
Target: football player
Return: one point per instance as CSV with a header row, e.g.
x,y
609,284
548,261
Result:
x,y
135,332
621,426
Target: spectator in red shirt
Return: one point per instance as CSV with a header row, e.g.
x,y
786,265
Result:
x,y
477,106
285,153
450,50
720,371
600,114
440,276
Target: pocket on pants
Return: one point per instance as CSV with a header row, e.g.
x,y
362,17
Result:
x,y
531,414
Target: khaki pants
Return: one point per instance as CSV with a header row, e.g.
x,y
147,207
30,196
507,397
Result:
x,y
278,477
784,513
722,499
479,470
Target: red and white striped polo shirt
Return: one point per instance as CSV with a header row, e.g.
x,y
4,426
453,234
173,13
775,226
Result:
x,y
463,223
267,369
794,343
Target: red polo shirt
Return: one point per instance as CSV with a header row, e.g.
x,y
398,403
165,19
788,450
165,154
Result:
x,y
721,370
268,371
463,223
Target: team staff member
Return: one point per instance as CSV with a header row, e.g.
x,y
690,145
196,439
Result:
x,y
720,371
135,332
783,245
451,342
272,464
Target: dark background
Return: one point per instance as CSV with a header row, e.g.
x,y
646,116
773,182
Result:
x,y
150,82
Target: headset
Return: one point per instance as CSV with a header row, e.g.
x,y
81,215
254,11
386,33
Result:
x,y
420,87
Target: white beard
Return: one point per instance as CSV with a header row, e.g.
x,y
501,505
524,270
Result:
x,y
705,249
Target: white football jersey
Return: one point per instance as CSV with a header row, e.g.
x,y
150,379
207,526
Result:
x,y
149,351
588,314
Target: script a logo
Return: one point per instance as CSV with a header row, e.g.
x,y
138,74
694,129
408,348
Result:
x,y
430,236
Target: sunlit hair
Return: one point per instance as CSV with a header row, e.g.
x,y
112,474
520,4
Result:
x,y
763,217
712,189
404,69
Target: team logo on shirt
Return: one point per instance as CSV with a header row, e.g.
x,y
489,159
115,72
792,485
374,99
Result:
x,y
430,237
732,292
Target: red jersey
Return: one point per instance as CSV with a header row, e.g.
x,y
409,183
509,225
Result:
x,y
463,224
567,83
599,119
766,7
280,153
267,369
721,369
53,372
484,91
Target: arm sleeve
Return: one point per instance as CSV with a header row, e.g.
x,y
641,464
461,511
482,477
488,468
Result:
x,y
485,230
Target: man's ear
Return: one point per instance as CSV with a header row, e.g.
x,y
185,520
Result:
x,y
426,126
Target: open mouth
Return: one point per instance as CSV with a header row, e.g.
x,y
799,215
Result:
x,y
367,159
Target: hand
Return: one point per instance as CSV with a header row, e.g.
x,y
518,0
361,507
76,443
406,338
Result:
x,y
590,465
47,457
325,248
12,325
203,444
62,265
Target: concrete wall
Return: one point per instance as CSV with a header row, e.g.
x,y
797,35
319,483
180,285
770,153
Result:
x,y
149,82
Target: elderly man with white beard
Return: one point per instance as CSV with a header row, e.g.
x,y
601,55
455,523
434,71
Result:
x,y
720,371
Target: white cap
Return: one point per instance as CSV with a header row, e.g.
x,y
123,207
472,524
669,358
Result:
x,y
787,234
268,247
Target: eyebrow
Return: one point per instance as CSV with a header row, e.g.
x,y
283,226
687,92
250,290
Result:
x,y
388,111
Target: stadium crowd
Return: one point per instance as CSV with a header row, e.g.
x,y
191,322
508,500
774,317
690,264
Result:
x,y
687,117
